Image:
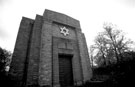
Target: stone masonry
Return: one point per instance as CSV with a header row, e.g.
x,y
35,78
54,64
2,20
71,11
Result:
x,y
41,46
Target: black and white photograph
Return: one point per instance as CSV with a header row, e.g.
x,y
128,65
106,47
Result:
x,y
67,43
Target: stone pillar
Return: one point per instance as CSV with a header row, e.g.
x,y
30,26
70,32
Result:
x,y
34,52
45,64
20,55
85,61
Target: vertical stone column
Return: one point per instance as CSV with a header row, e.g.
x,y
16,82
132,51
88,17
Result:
x,y
55,62
45,67
87,55
20,56
77,69
83,56
34,54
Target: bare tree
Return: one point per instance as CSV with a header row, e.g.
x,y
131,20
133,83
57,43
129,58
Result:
x,y
110,44
117,41
92,55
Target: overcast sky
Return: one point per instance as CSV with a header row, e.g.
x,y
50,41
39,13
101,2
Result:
x,y
91,13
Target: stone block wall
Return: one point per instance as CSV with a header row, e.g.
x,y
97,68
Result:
x,y
84,58
20,54
34,52
38,45
45,63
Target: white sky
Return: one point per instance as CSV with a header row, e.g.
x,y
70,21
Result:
x,y
91,13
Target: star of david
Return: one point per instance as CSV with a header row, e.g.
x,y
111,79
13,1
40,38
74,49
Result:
x,y
64,31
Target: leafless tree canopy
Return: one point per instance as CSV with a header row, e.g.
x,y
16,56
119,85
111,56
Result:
x,y
109,46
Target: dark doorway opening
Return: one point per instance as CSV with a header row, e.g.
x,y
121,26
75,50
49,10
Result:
x,y
65,70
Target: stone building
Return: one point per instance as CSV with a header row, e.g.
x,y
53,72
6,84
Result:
x,y
50,51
